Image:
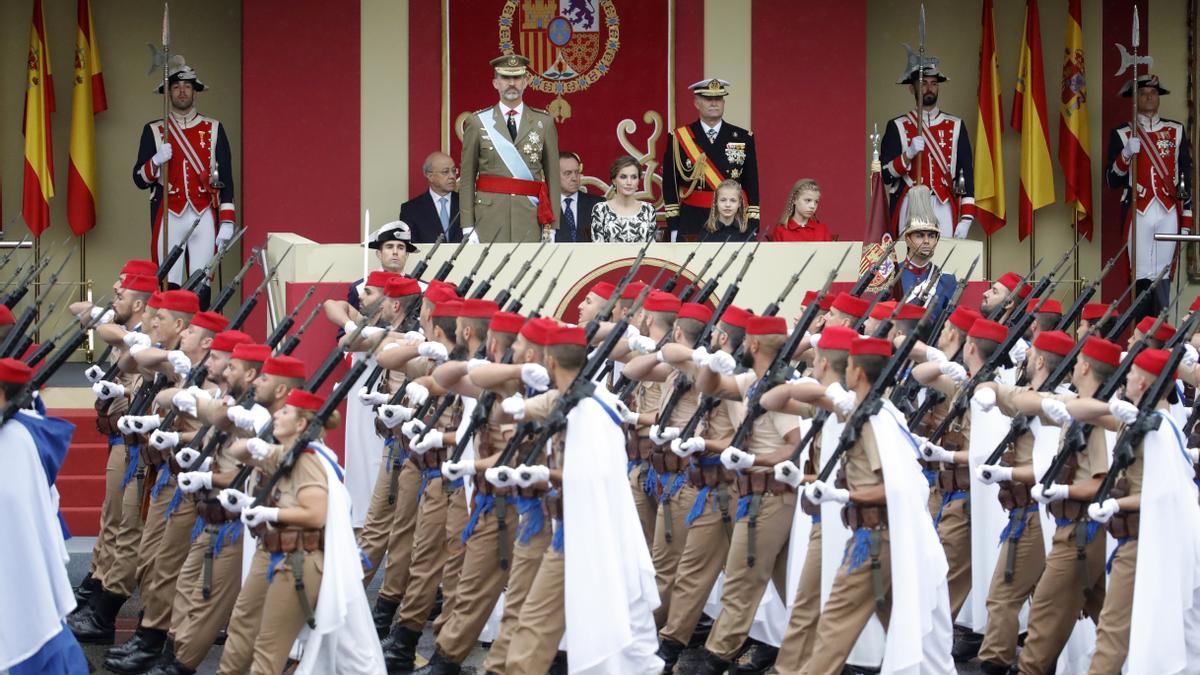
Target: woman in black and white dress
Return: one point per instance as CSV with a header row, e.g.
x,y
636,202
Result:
x,y
624,218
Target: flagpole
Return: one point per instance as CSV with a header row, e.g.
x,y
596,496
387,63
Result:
x,y
1078,279
85,293
1032,240
37,282
987,256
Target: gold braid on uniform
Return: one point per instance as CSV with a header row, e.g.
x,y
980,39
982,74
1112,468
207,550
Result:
x,y
693,177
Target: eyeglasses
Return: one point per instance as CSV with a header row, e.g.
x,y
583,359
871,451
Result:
x,y
445,172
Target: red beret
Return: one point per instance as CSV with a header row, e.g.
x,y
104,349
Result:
x,y
440,291
963,318
180,301
139,283
883,310
1102,350
145,268
479,309
1093,311
1195,304
284,366
986,329
210,321
1152,360
566,335
848,304
1165,332
538,330
694,310
869,346
13,371
298,398
736,316
506,322
809,296
837,337
248,351
6,316
766,325
448,308
910,312
225,341
1054,342
603,289
1049,306
1010,280
633,290
400,286
156,300
379,279
657,301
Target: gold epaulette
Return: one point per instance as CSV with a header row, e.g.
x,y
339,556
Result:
x,y
539,110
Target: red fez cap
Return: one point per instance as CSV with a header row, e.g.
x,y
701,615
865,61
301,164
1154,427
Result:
x,y
1010,280
1165,332
1093,311
156,300
1152,360
1195,304
440,291
248,351
538,330
736,316
809,296
766,325
848,304
210,321
298,398
986,329
910,312
6,316
632,290
180,301
837,337
13,371
657,301
479,309
1054,342
603,289
695,310
1049,306
139,283
883,310
1102,350
452,308
567,335
869,346
379,278
284,366
506,322
145,268
400,286
963,318
225,341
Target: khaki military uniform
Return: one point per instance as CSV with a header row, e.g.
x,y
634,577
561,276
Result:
x,y
114,559
647,396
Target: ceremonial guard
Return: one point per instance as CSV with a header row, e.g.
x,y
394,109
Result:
x,y
932,149
199,177
918,275
510,180
700,156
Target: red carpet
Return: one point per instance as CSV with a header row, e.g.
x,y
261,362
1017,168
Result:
x,y
81,479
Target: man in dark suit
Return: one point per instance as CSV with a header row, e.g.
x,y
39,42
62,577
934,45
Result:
x,y
435,211
576,221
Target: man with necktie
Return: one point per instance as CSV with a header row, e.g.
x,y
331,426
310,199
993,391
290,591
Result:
x,y
575,225
435,211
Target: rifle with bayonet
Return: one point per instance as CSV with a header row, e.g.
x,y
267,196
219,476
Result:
x,y
12,251
448,265
202,276
537,311
686,294
423,263
710,286
515,304
176,251
670,285
293,340
466,282
15,295
288,321
486,285
505,294
864,279
1088,291
18,330
249,304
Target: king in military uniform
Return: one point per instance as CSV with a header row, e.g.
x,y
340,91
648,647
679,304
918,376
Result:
x,y
510,182
702,154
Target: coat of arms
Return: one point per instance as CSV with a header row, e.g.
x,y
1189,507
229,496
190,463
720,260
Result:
x,y
570,44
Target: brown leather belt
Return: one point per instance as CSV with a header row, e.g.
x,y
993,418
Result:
x,y
486,488
432,459
1067,509
290,539
956,478
210,509
872,517
665,461
760,483
1124,525
1014,495
553,505
709,476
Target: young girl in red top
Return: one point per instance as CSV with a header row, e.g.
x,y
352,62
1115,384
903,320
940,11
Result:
x,y
799,222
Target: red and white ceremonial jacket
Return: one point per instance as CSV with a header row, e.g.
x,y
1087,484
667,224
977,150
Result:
x,y
199,145
1163,155
947,155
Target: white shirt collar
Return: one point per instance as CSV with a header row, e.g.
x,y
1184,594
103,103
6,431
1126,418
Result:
x,y
1149,122
436,197
931,114
716,128
504,110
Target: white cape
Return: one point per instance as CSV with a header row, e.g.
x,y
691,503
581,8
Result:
x,y
364,448
610,592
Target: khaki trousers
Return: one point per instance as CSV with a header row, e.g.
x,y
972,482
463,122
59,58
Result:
x,y
429,557
543,620
110,510
1112,633
1005,599
954,530
400,537
699,566
267,617
457,516
745,585
850,605
647,508
377,528
122,573
480,583
666,554
801,632
1061,594
162,570
195,621
526,559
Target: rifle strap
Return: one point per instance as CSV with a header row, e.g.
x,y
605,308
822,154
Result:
x,y
295,560
502,533
1081,543
723,505
876,568
214,532
752,529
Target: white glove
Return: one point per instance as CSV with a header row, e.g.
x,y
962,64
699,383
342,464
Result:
x,y
915,147
1190,357
164,440
94,374
258,449
501,476
935,355
701,357
254,516
1194,453
1124,411
627,416
417,393
180,362
642,344
349,327
368,397
535,376
185,457
787,472
514,406
630,333
434,351
241,417
369,332
432,439
936,453
963,228
414,337
661,436
985,398
1055,493
1102,513
137,349
686,447
144,424
722,363
194,481
1056,410
1019,351
990,474
1064,389
125,424
106,390
163,155
453,470
472,364
393,415
412,429
843,401
470,236
819,492
1132,147
185,402
100,316
528,476
814,340
234,501
206,465
223,235
135,338
954,371
733,458
198,393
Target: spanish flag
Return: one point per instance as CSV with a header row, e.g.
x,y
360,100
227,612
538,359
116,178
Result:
x,y
1029,118
39,103
88,100
989,126
1073,153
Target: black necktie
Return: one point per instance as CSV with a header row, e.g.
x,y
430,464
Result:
x,y
568,220
512,124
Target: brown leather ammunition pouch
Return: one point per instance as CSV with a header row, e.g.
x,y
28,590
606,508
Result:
x,y
954,478
870,517
1124,525
760,483
1067,509
291,539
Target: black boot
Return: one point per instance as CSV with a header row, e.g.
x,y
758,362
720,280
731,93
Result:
x,y
401,652
711,664
701,631
86,588
132,644
439,665
669,651
143,657
383,613
762,657
170,666
97,624
559,665
992,668
966,646
437,605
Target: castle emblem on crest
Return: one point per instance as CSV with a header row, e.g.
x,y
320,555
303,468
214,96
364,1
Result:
x,y
570,44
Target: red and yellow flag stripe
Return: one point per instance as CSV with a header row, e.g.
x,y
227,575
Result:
x,y
88,100
1073,152
39,104
1029,118
989,159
